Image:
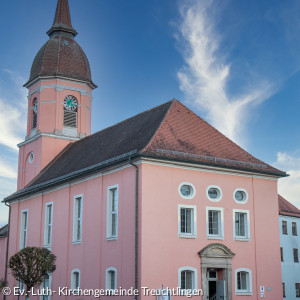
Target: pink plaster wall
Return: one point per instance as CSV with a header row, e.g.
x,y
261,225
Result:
x,y
50,105
95,253
162,252
3,241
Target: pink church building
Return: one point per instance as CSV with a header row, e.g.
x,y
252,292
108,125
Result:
x,y
161,198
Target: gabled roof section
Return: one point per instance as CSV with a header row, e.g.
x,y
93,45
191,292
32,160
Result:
x,y
185,136
287,209
4,231
170,131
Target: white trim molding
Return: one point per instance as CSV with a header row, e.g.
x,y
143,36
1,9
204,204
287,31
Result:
x,y
219,191
73,287
107,283
245,194
248,290
77,217
195,277
193,221
48,224
193,193
112,212
246,237
220,235
23,229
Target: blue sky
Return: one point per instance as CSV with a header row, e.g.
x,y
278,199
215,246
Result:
x,y
235,63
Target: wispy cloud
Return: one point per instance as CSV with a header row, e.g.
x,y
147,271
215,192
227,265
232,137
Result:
x,y
13,113
7,170
205,76
289,187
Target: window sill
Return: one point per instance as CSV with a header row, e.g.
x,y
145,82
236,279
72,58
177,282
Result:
x,y
187,236
243,293
242,239
114,238
47,247
76,242
215,237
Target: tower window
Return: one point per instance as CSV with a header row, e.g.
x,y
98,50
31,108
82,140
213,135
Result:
x,y
70,112
34,116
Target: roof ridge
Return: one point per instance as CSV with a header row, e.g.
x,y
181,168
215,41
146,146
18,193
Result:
x,y
173,101
114,125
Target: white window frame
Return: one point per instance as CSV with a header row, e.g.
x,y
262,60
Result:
x,y
42,286
75,219
195,278
107,283
23,241
48,225
109,214
72,279
219,236
247,227
249,282
217,188
193,192
193,221
243,191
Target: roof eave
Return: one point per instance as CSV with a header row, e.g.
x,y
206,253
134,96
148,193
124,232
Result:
x,y
31,82
278,174
67,178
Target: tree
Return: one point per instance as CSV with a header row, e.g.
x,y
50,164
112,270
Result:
x,y
31,266
2,284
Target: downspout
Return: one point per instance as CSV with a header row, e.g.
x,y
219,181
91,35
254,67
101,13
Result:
x,y
7,245
136,225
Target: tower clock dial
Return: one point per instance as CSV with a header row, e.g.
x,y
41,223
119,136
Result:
x,y
70,103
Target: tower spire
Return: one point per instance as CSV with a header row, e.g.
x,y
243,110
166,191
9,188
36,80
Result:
x,y
62,21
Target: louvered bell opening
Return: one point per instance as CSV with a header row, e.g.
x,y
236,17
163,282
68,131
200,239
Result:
x,y
70,119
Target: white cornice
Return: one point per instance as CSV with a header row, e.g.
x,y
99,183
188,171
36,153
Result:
x,y
203,168
51,135
59,87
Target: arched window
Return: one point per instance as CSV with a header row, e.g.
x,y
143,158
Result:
x,y
111,279
70,111
187,278
75,279
34,115
243,282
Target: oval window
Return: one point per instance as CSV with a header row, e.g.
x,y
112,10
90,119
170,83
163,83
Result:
x,y
187,190
240,196
214,193
31,157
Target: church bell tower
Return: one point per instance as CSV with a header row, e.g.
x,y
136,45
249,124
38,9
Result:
x,y
59,98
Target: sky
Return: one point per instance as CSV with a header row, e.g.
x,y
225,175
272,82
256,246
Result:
x,y
234,63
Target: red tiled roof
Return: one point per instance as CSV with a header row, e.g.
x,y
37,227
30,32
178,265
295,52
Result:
x,y
286,208
184,135
170,131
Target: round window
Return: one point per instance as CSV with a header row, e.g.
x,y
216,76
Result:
x,y
240,196
214,193
186,190
31,157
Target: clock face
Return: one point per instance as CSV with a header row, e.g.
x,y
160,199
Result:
x,y
35,105
70,103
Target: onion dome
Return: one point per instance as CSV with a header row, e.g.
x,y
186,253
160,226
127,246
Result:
x,y
61,56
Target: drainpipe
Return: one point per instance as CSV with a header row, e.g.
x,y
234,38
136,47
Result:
x,y
7,244
136,224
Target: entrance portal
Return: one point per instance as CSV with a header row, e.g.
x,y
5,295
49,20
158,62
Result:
x,y
216,272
